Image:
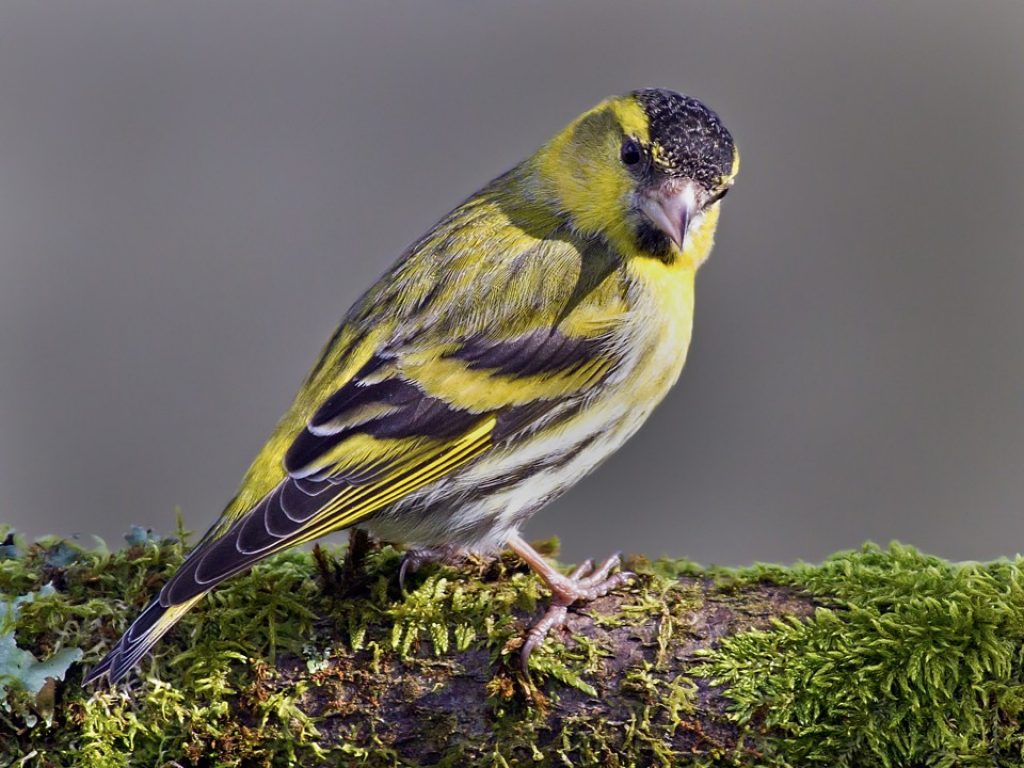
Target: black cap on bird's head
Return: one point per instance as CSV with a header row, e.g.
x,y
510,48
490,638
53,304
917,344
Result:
x,y
687,163
689,140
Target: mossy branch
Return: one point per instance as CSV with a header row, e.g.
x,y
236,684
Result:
x,y
874,658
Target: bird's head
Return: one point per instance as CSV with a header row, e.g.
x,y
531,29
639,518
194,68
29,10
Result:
x,y
646,171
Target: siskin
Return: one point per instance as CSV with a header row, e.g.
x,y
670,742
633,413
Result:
x,y
509,351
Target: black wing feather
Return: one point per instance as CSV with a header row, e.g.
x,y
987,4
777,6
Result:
x,y
545,350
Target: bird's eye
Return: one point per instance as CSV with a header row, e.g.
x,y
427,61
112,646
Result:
x,y
631,153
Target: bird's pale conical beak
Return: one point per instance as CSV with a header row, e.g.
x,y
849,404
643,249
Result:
x,y
670,207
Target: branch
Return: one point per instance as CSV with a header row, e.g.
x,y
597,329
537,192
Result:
x,y
874,658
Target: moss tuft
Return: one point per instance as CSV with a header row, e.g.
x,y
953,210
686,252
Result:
x,y
909,660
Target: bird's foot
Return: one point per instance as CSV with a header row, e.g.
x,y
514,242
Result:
x,y
583,585
414,559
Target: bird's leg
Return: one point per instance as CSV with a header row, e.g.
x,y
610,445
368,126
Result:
x,y
582,585
414,559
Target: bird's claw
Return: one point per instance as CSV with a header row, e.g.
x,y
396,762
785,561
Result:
x,y
414,559
582,585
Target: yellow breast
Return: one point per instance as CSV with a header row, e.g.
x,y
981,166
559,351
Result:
x,y
661,318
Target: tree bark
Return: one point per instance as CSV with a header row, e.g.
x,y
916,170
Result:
x,y
613,707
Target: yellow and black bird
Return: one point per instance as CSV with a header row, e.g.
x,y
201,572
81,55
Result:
x,y
510,350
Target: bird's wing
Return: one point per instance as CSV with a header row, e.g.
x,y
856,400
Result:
x,y
394,427
402,422
463,353
449,356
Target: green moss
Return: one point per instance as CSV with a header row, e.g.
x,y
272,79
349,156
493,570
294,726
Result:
x,y
97,595
907,661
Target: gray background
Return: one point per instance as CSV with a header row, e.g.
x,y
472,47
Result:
x,y
192,193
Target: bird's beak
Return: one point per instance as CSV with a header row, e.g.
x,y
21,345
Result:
x,y
671,206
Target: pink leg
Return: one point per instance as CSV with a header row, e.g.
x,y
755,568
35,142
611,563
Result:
x,y
583,585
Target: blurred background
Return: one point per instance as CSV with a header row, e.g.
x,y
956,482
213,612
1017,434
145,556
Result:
x,y
192,194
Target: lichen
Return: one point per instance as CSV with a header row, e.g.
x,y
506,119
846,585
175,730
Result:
x,y
880,658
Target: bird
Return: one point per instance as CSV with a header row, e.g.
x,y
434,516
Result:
x,y
508,352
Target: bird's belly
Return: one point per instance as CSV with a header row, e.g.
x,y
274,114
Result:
x,y
477,508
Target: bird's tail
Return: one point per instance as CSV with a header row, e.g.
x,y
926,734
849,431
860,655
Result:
x,y
142,635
